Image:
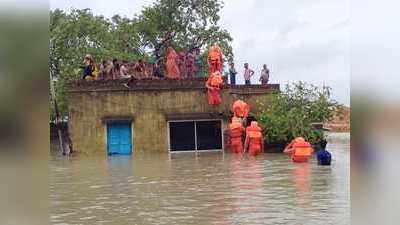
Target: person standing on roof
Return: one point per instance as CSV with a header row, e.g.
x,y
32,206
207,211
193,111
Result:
x,y
248,73
264,77
232,74
215,58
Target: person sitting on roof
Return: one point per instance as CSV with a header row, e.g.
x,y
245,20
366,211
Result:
x,y
214,85
299,149
89,68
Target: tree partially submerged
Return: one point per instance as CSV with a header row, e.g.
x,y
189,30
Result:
x,y
290,114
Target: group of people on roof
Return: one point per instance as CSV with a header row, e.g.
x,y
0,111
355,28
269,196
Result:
x,y
179,65
176,66
119,69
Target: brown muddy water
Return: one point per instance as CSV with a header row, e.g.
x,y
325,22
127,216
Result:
x,y
207,188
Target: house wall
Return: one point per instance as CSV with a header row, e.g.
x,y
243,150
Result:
x,y
147,107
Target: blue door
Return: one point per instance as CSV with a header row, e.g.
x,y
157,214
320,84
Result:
x,y
119,138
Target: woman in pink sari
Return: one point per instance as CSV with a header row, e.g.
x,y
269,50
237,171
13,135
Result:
x,y
172,70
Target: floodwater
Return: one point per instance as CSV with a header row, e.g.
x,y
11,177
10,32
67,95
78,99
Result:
x,y
210,188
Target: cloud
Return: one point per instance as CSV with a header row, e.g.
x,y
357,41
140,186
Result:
x,y
300,40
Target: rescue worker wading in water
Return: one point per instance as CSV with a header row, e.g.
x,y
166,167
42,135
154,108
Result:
x,y
236,132
254,140
214,85
240,110
299,149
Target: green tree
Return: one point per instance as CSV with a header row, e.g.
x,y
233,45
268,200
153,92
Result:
x,y
184,25
78,33
290,114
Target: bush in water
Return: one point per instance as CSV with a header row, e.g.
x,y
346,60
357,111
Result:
x,y
290,113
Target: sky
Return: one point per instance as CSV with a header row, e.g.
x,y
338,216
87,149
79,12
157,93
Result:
x,y
307,40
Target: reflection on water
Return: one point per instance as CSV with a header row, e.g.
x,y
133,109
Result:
x,y
210,188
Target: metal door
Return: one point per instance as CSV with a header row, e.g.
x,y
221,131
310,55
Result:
x,y
119,138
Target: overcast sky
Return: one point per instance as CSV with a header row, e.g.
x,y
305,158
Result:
x,y
306,40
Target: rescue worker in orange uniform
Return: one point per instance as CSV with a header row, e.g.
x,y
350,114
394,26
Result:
x,y
240,109
214,85
254,140
299,149
236,132
215,58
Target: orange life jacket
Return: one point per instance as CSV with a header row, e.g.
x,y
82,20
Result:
x,y
252,129
214,53
240,108
302,149
236,130
216,80
255,139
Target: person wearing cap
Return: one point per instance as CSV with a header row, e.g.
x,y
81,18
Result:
x,y
299,149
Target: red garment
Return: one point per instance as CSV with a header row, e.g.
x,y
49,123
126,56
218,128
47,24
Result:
x,y
215,65
172,70
236,131
214,84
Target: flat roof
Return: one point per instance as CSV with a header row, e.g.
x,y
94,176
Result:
x,y
163,84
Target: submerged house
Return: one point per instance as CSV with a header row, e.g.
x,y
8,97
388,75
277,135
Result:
x,y
152,115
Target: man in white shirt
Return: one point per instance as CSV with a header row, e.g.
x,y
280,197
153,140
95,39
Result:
x,y
248,73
